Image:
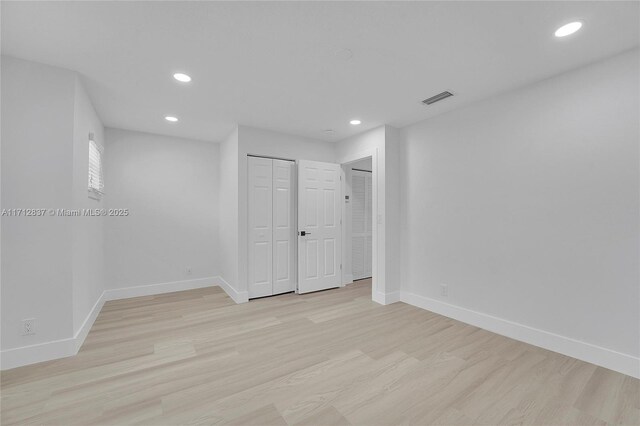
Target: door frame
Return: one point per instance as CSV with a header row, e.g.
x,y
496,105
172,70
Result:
x,y
352,158
366,174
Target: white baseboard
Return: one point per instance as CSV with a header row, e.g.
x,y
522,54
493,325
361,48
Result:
x,y
237,296
25,355
88,322
161,288
623,363
392,297
47,351
385,298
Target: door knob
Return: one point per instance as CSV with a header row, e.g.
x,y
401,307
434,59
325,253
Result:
x,y
303,233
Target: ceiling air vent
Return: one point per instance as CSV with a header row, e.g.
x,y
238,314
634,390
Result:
x,y
436,98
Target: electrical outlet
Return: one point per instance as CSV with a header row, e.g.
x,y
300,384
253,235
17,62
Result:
x,y
188,270
28,326
444,290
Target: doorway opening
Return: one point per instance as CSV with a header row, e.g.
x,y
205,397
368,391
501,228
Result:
x,y
358,221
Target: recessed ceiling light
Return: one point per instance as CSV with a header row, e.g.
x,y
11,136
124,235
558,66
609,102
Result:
x,y
182,77
355,122
171,118
568,29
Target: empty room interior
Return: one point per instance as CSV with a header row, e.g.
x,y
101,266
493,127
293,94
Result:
x,y
320,213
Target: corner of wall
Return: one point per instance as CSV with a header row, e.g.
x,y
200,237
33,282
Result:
x,y
236,295
392,211
87,232
229,211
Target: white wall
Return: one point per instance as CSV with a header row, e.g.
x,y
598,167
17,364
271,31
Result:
x,y
229,213
274,144
526,205
393,170
37,172
87,232
170,187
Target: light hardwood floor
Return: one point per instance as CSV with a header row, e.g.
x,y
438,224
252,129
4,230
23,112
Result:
x,y
326,358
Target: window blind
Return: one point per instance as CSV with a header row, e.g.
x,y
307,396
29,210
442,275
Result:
x,y
96,180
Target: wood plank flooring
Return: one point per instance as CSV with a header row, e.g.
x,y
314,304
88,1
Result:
x,y
328,358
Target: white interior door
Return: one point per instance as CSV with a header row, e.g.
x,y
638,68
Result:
x,y
284,230
260,273
319,239
361,229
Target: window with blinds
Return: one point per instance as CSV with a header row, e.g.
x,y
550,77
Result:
x,y
96,180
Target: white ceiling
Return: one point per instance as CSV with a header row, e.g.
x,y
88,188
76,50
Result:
x,y
278,65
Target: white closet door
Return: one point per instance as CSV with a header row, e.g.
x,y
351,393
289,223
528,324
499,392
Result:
x,y
260,181
319,243
361,229
284,231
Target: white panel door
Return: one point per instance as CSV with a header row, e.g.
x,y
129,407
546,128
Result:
x,y
284,230
361,229
319,242
260,203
